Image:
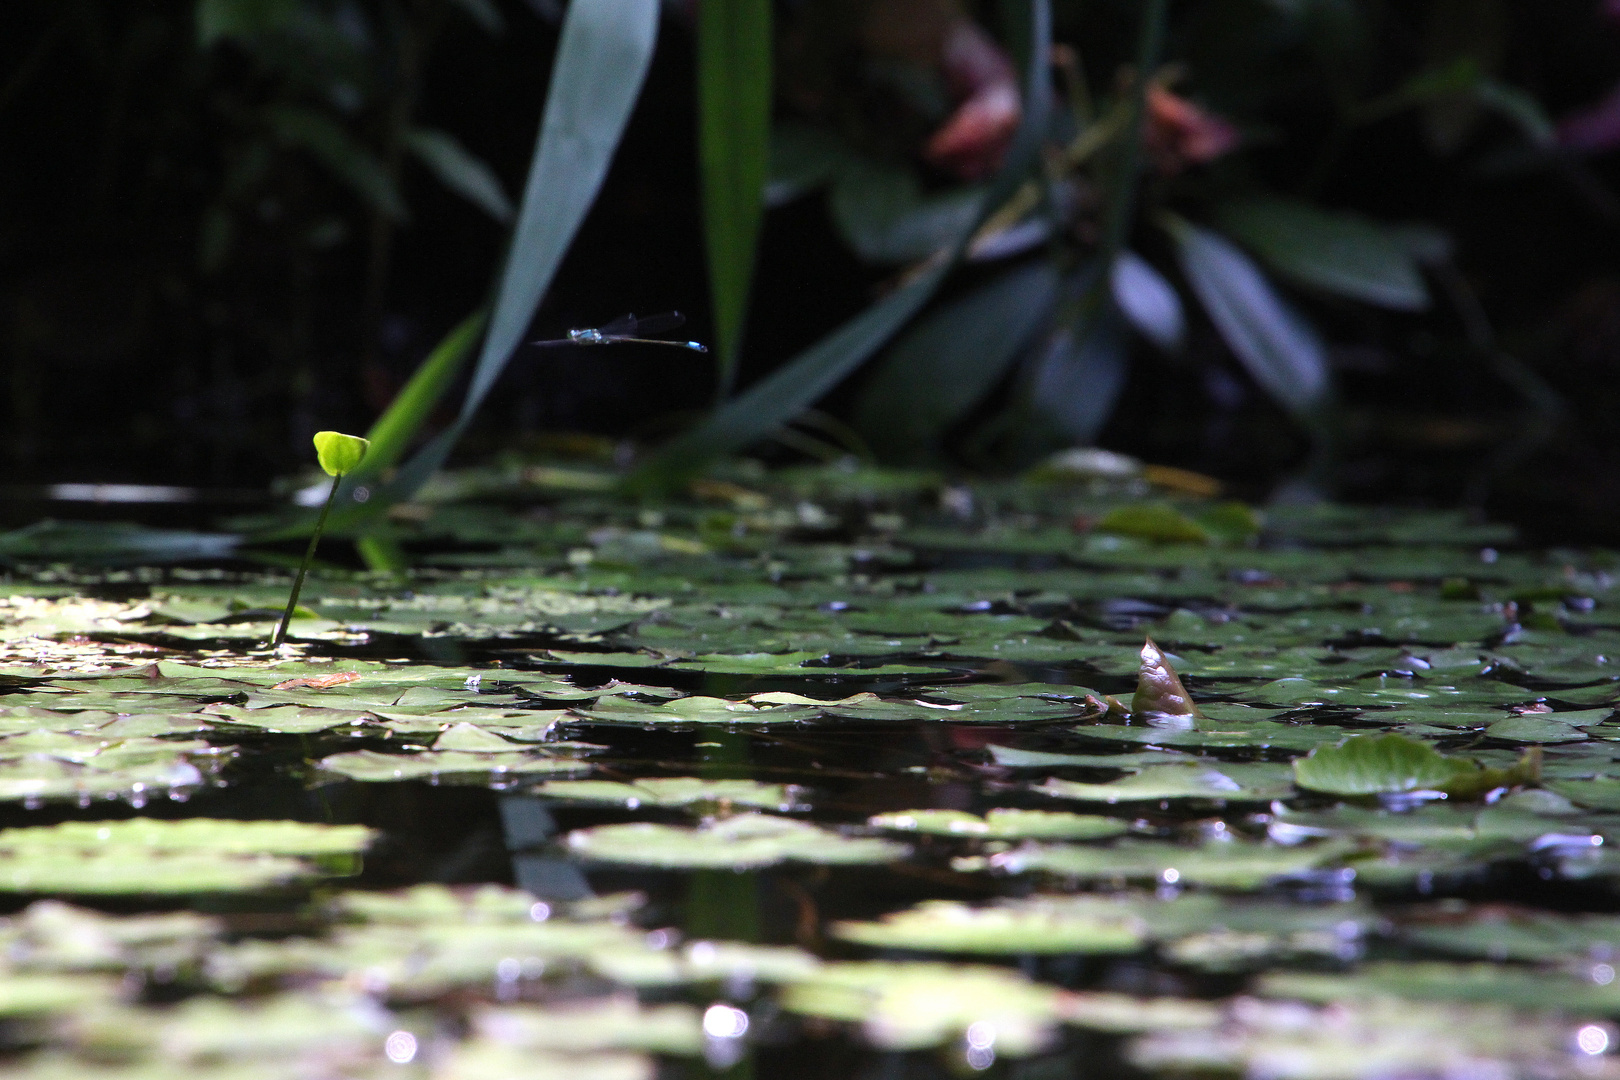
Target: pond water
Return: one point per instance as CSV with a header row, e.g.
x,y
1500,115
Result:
x,y
824,772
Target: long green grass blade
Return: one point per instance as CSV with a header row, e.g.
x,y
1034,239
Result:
x,y
602,60
734,133
796,385
949,359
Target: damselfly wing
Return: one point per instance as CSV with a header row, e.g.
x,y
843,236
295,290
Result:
x,y
627,329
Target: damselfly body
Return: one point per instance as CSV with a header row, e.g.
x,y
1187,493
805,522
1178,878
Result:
x,y
627,329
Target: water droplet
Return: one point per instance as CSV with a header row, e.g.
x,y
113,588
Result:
x,y
1592,1040
400,1047
722,1021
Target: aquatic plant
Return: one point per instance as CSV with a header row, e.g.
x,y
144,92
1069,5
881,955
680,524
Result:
x,y
339,456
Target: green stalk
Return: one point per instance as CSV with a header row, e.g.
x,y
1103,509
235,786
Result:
x,y
303,569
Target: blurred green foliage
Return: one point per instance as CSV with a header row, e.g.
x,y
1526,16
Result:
x,y
1095,221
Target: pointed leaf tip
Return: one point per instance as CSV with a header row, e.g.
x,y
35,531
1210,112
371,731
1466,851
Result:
x,y
1158,688
339,453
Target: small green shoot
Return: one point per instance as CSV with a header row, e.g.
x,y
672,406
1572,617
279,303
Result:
x,y
339,455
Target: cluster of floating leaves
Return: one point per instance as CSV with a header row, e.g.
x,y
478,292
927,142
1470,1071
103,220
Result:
x,y
973,773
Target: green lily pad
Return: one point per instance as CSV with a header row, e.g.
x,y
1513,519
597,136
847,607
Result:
x,y
613,1023
675,791
743,842
205,835
1362,1039
916,1006
1160,782
1389,764
946,926
138,872
1229,865
1003,824
446,765
1491,984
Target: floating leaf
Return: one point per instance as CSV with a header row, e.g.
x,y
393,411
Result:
x,y
743,842
675,791
218,836
1226,865
614,1023
916,1006
1363,1040
1389,764
1003,824
1153,521
1160,782
949,927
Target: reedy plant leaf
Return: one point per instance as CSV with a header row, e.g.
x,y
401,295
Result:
x,y
793,387
950,359
461,171
601,62
1274,342
734,134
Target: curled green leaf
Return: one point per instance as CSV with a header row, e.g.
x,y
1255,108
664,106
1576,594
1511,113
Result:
x,y
1158,688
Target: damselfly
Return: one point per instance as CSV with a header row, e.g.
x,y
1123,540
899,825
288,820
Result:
x,y
627,329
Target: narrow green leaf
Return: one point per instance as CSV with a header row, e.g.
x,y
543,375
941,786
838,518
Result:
x,y
484,13
1340,253
798,383
341,153
734,134
802,159
1149,302
950,359
601,62
219,19
792,387
1079,372
1277,346
460,170
881,212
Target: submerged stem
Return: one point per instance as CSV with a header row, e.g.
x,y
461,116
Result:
x,y
303,568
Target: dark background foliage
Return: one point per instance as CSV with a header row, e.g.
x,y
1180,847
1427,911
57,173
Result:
x,y
189,286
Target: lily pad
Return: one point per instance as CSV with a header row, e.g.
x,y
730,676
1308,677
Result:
x,y
675,791
945,926
1003,824
916,1006
1227,865
743,842
1390,764
1161,782
446,765
204,835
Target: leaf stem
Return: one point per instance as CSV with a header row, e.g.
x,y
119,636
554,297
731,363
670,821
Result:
x,y
303,568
